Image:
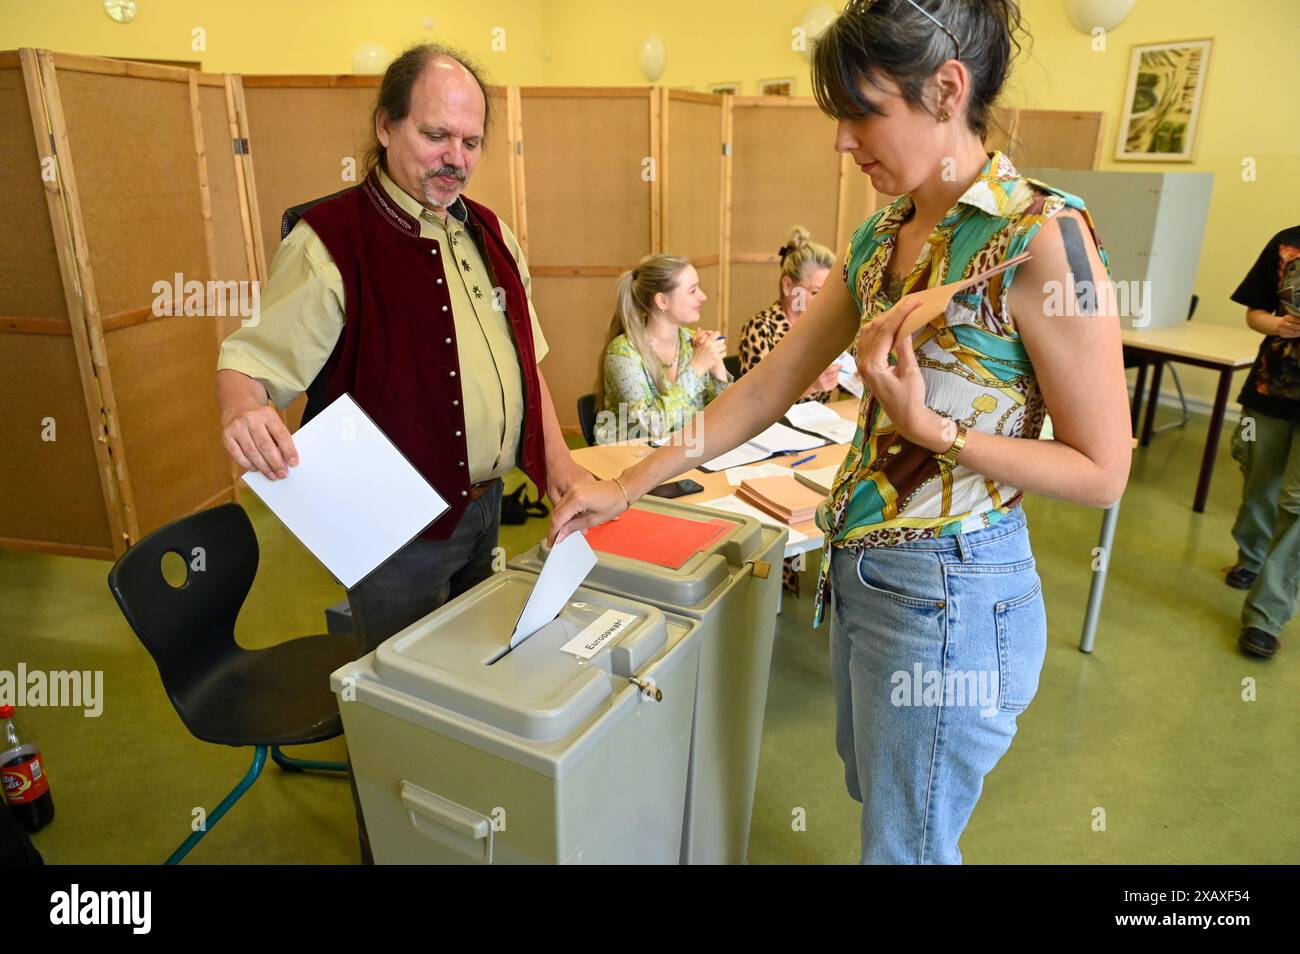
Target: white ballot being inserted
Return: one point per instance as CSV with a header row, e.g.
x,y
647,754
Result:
x,y
353,500
566,566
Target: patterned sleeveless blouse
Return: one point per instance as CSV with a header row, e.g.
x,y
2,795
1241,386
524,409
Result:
x,y
977,372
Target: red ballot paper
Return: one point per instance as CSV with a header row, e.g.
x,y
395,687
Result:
x,y
657,538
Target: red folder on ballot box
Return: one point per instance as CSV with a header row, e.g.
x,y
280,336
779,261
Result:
x,y
657,538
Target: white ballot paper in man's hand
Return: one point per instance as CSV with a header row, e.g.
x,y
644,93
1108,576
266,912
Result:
x,y
566,566
353,500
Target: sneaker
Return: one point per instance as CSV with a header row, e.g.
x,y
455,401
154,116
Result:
x,y
1239,578
1256,642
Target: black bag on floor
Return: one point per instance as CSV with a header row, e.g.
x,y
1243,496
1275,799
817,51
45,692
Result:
x,y
16,847
516,508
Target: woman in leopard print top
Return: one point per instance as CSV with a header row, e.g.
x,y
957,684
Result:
x,y
804,267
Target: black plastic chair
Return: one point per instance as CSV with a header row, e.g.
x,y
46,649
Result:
x,y
225,694
587,418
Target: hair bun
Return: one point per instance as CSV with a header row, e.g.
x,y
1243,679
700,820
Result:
x,y
798,236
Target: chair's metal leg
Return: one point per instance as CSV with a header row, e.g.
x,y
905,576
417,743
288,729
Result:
x,y
254,770
1106,545
290,764
1182,398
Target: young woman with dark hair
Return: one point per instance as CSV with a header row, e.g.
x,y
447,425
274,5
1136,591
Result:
x,y
938,629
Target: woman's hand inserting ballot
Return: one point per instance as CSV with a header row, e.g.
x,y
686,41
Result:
x,y
899,388
586,505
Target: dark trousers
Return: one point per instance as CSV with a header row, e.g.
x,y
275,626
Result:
x,y
414,582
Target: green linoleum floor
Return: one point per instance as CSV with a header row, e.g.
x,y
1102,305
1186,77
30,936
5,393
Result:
x,y
1151,728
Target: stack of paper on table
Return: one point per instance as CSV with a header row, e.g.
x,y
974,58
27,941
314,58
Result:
x,y
783,497
818,418
818,478
777,439
733,504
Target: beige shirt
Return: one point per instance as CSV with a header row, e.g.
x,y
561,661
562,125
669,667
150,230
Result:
x,y
302,315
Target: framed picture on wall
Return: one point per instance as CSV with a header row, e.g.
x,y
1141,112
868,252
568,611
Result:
x,y
725,89
1162,102
777,87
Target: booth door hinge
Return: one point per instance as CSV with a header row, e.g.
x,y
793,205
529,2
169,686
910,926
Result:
x,y
53,149
241,146
726,148
519,147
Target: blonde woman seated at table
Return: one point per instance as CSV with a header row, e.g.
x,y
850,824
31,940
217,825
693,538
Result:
x,y
805,264
655,374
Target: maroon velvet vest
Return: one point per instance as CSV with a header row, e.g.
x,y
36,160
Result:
x,y
397,353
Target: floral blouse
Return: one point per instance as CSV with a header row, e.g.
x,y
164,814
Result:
x,y
648,413
977,372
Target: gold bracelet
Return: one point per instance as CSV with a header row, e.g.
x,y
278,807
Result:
x,y
619,481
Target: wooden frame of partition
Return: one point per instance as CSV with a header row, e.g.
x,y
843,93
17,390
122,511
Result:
x,y
121,221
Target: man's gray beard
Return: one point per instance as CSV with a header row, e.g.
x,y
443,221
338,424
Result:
x,y
426,188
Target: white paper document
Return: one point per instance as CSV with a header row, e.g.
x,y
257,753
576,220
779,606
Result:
x,y
849,380
777,439
810,412
353,500
566,566
818,418
737,457
733,504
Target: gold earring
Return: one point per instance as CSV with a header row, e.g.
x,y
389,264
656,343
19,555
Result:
x,y
944,115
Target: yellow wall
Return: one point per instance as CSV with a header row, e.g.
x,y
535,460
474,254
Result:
x,y
1247,111
282,36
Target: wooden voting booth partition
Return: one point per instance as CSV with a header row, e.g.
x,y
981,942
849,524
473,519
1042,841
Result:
x,y
783,171
593,209
110,428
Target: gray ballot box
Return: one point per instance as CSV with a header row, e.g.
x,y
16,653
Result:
x,y
736,609
538,756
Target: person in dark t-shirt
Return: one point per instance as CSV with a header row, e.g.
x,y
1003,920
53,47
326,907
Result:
x,y
1267,445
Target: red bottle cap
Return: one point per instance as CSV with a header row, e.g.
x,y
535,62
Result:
x,y
6,711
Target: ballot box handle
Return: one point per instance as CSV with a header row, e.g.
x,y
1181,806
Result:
x,y
449,824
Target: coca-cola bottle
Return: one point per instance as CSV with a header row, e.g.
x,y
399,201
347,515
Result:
x,y
26,789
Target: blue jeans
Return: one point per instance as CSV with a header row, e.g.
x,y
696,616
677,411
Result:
x,y
936,647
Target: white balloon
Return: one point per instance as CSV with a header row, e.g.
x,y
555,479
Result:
x,y
814,24
652,57
1087,15
370,58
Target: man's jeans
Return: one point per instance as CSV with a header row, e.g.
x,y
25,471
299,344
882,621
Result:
x,y
415,581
